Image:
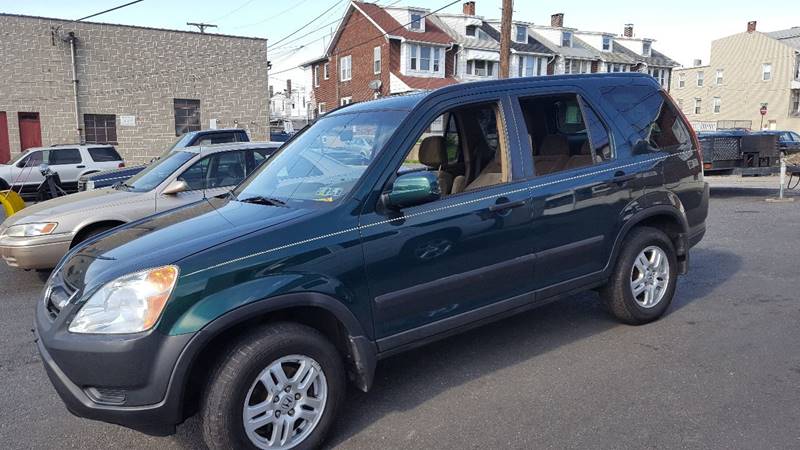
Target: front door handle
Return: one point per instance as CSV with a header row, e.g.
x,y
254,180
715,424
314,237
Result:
x,y
621,177
506,205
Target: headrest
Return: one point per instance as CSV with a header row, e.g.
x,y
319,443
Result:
x,y
554,144
433,151
585,149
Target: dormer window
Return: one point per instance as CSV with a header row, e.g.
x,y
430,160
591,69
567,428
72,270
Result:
x,y
472,30
521,33
416,21
646,48
607,43
566,39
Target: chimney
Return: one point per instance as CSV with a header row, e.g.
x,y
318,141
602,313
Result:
x,y
469,8
751,26
557,20
698,62
289,87
628,31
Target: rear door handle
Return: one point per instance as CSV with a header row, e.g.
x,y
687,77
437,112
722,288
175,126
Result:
x,y
80,166
506,205
621,177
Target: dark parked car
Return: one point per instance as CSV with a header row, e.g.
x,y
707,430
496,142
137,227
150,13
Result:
x,y
193,138
788,141
479,200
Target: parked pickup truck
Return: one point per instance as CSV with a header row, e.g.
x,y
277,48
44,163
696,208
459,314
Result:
x,y
193,138
473,202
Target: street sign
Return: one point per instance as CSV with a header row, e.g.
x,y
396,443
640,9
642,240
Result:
x,y
763,110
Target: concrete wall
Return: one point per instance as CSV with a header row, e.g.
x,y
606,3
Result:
x,y
129,71
742,91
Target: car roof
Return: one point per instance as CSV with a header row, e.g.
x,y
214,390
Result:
x,y
57,146
214,148
407,102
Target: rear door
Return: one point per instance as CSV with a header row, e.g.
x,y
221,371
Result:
x,y
68,163
579,184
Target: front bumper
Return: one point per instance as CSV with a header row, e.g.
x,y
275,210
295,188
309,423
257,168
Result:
x,y
128,380
39,252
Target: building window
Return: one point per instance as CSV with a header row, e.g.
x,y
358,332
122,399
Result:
x,y
766,72
680,104
480,68
345,68
700,77
530,66
719,77
717,104
423,58
607,43
566,39
100,128
681,80
187,116
345,101
321,107
316,76
646,48
614,67
326,71
376,60
697,105
522,33
573,66
416,21
471,30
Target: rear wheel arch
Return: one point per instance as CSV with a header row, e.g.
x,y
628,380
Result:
x,y
317,311
668,219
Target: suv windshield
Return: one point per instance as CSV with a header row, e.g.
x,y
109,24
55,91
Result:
x,y
325,161
158,171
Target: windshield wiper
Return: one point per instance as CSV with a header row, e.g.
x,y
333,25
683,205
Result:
x,y
121,186
261,200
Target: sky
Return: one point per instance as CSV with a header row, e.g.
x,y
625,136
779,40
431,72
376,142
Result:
x,y
682,29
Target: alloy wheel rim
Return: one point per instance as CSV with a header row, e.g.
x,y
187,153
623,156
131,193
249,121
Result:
x,y
285,402
650,277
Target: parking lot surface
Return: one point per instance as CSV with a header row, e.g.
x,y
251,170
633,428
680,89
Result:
x,y
720,370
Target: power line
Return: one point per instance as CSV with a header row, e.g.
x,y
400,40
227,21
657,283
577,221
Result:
x,y
232,11
386,33
108,10
308,23
271,17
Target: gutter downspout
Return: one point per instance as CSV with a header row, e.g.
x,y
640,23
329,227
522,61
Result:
x,y
75,85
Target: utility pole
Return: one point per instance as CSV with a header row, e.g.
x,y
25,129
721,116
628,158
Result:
x,y
505,37
202,26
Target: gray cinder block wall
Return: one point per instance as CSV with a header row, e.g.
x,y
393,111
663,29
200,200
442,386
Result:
x,y
129,71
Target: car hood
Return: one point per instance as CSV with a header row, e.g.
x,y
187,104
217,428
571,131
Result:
x,y
78,203
113,173
169,237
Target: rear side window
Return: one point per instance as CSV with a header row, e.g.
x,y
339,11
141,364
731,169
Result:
x,y
654,119
104,154
217,138
64,156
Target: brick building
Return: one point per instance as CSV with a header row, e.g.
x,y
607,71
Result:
x,y
138,88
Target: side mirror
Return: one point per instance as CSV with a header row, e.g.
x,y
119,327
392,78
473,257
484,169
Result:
x,y
412,189
177,186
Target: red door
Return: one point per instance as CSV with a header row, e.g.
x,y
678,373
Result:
x,y
30,130
5,149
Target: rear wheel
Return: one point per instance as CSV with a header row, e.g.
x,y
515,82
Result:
x,y
277,388
643,282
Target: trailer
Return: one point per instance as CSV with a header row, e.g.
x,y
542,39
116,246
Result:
x,y
739,152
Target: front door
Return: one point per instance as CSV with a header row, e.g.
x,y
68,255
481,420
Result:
x,y
210,176
429,264
30,130
5,147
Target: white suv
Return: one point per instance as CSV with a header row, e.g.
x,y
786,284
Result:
x,y
69,161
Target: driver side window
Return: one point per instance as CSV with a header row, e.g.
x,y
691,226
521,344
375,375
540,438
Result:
x,y
195,176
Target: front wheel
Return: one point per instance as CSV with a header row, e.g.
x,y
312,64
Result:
x,y
643,282
277,388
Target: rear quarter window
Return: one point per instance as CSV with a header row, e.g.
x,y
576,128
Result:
x,y
104,154
653,117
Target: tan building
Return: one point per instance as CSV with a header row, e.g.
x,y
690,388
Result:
x,y
137,88
747,71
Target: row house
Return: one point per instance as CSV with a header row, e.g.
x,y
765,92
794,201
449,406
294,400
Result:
x,y
748,71
379,51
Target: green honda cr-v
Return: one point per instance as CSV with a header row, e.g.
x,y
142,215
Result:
x,y
385,225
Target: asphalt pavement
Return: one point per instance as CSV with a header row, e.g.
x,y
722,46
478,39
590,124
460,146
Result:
x,y
721,370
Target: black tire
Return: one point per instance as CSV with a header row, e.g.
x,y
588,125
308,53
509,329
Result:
x,y
231,379
4,185
84,235
617,293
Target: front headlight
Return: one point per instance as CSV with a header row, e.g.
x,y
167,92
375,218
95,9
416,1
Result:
x,y
31,229
130,304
